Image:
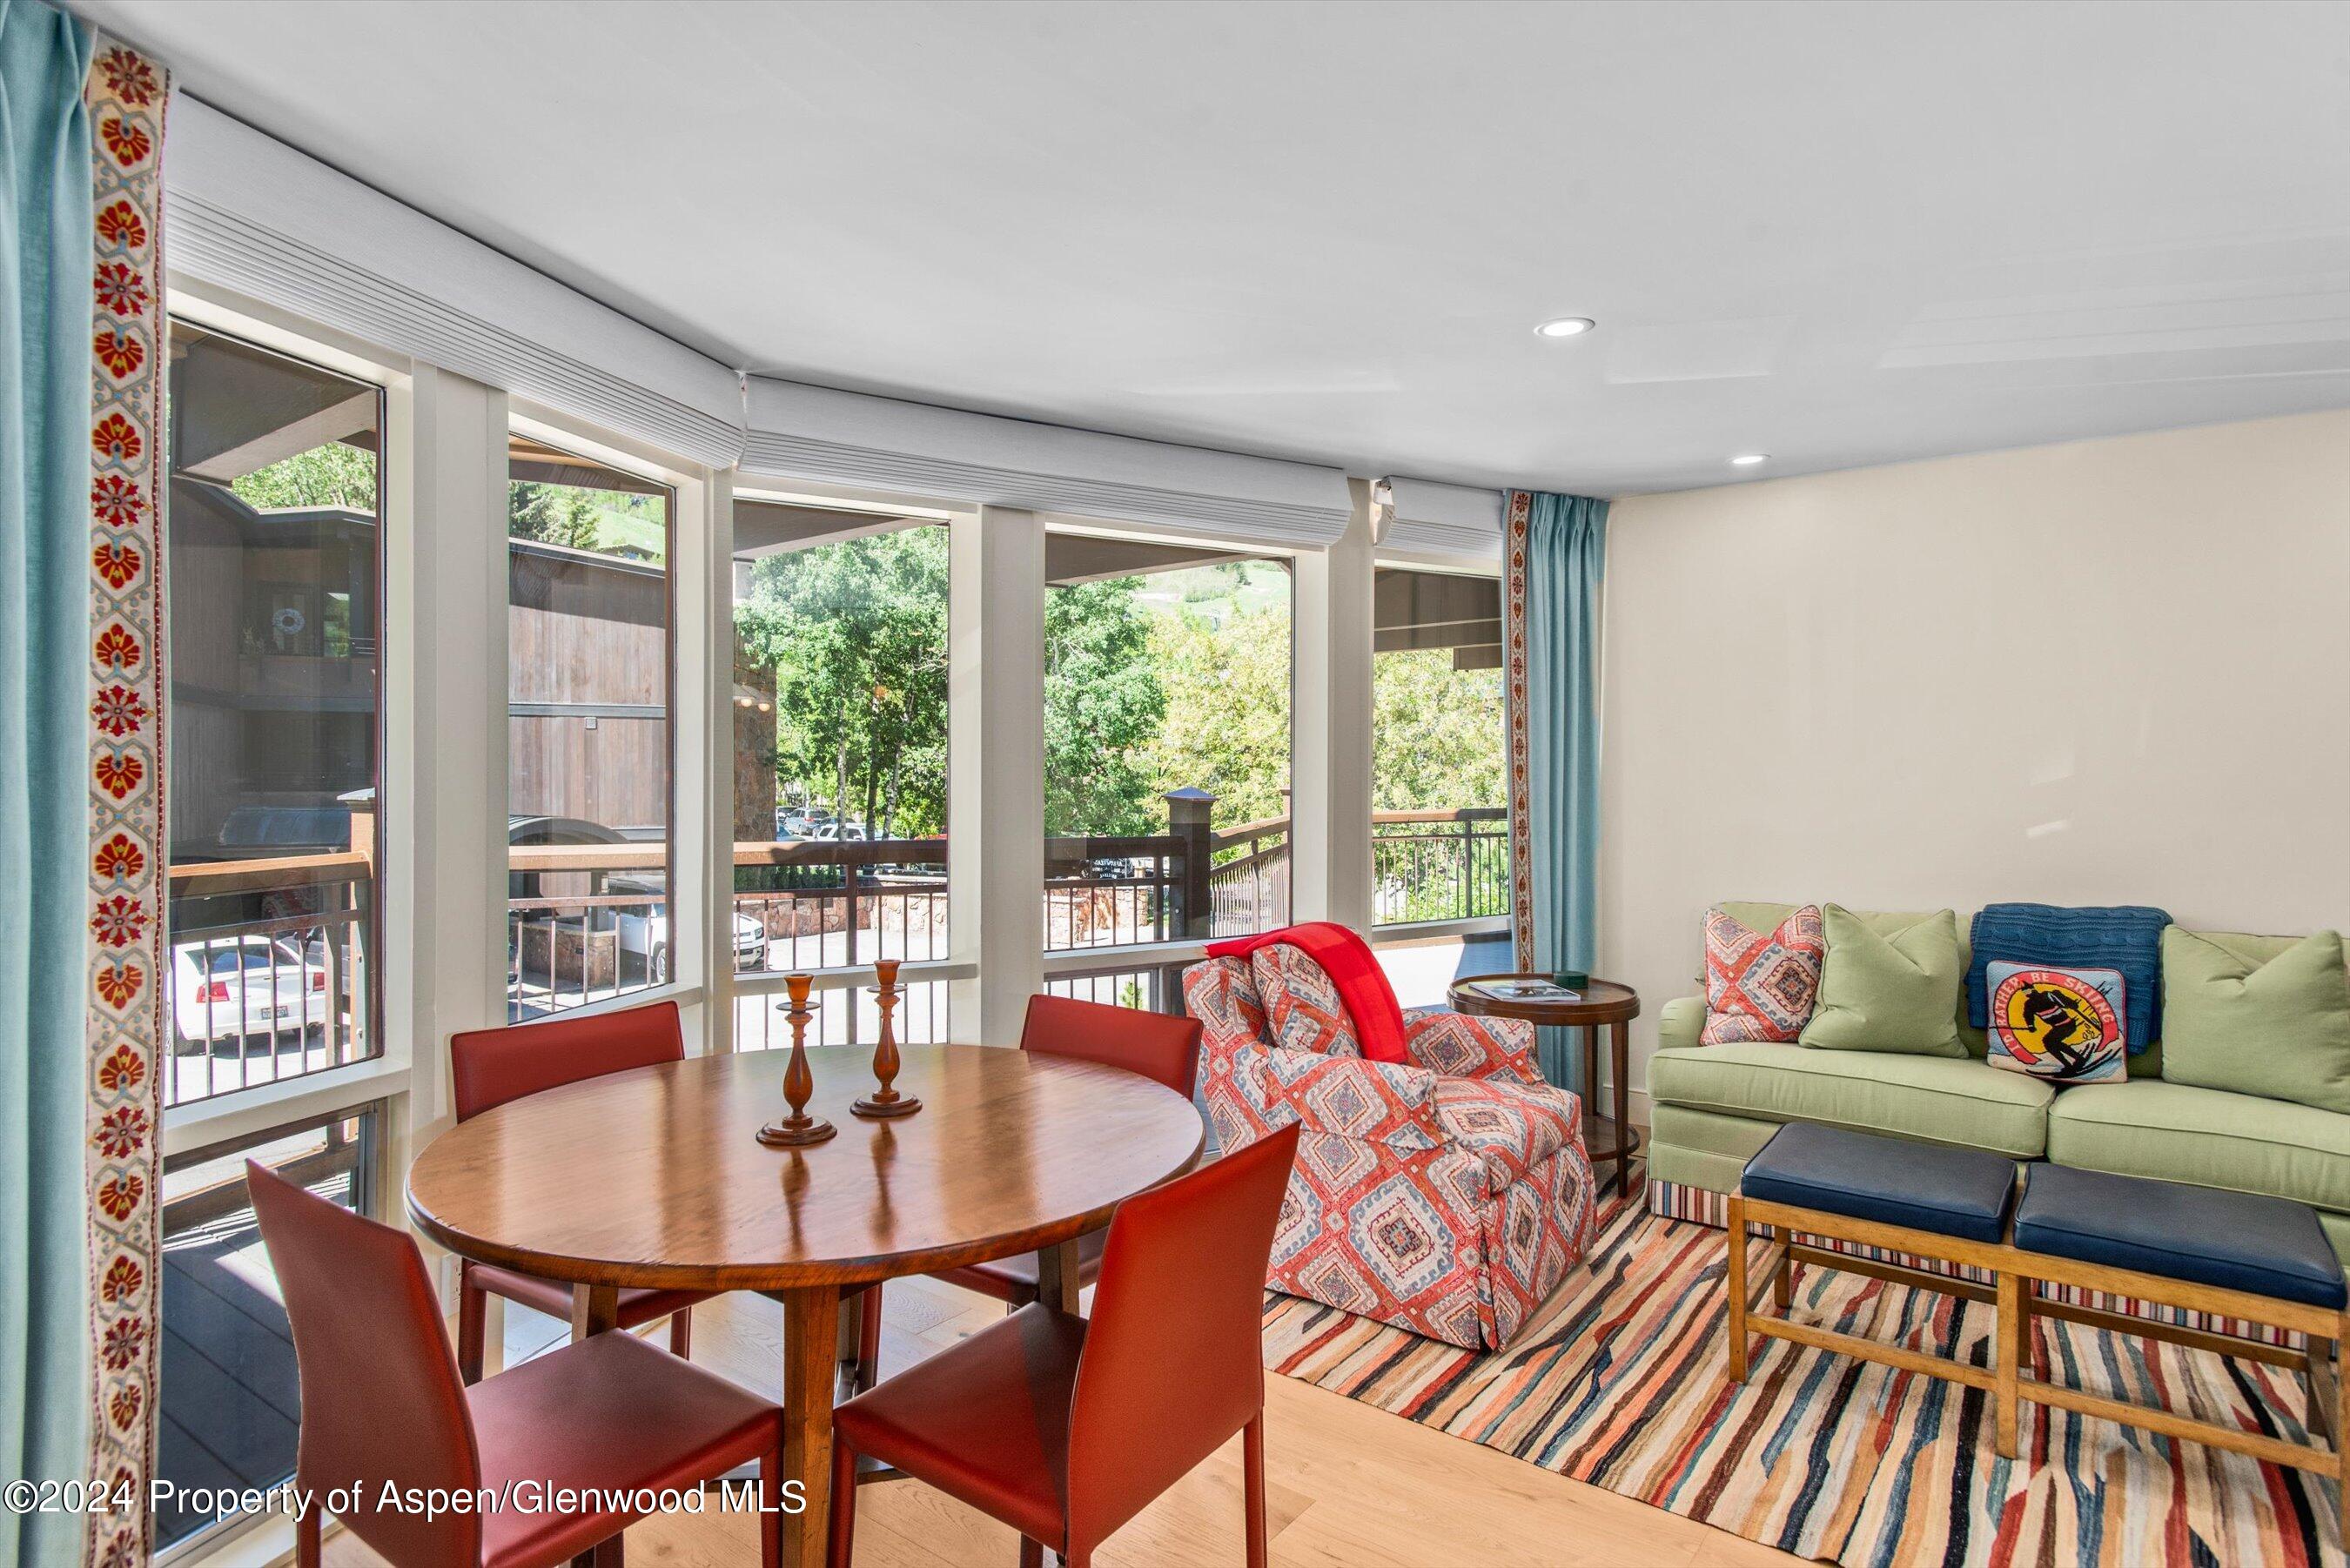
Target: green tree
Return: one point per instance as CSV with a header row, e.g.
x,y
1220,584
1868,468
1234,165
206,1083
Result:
x,y
1436,732
1104,703
1227,721
855,633
552,514
330,475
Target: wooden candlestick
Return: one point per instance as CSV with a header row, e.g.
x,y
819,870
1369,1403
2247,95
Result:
x,y
799,1129
887,1101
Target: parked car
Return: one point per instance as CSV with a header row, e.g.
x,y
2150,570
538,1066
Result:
x,y
642,933
801,821
646,937
839,832
255,986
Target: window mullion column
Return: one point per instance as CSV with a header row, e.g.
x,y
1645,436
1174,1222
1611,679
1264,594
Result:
x,y
1330,746
705,707
446,890
995,770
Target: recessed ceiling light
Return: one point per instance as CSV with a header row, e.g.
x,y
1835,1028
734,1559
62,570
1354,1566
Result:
x,y
1749,459
1566,327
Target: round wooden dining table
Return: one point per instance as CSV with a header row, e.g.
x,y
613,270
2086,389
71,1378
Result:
x,y
656,1177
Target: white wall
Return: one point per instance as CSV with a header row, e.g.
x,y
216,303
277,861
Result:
x,y
2111,671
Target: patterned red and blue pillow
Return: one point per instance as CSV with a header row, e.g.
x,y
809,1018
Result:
x,y
1759,987
1303,1008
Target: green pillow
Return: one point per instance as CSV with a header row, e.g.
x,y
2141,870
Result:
x,y
2256,1015
1892,990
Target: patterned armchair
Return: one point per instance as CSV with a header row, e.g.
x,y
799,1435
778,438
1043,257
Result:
x,y
1448,1195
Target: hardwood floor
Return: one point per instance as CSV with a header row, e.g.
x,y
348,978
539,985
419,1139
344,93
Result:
x,y
1347,1486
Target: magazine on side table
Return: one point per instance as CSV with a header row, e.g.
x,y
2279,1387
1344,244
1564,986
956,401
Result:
x,y
1524,991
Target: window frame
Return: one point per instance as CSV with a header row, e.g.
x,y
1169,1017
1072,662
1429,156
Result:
x,y
735,986
569,438
237,1112
1066,967
1414,933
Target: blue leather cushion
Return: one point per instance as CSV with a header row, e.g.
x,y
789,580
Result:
x,y
1949,1192
2268,1246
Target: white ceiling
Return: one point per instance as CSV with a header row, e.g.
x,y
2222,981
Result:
x,y
1840,235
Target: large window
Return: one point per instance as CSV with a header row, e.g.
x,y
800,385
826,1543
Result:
x,y
840,758
274,584
588,799
1440,823
1166,687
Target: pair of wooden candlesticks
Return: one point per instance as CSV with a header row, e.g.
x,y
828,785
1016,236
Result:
x,y
799,1129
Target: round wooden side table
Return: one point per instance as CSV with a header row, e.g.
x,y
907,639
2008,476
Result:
x,y
1603,1004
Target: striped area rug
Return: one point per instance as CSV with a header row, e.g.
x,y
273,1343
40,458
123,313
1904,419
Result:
x,y
1619,1382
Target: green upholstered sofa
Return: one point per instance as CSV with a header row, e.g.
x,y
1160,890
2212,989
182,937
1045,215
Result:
x,y
1711,1106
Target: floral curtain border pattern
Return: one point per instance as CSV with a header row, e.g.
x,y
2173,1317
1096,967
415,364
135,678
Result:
x,y
1517,511
129,974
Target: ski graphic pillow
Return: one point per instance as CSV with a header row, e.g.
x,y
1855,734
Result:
x,y
2062,1024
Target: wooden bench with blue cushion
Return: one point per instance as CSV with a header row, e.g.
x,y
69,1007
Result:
x,y
1887,1193
2225,1254
2222,1255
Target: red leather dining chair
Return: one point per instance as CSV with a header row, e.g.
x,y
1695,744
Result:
x,y
1155,1045
382,1405
491,1066
1159,1046
1063,1428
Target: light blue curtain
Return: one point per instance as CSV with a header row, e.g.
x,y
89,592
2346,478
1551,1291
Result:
x,y
45,253
1567,539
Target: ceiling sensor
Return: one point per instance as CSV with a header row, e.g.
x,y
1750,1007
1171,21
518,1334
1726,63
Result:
x,y
1566,327
1749,459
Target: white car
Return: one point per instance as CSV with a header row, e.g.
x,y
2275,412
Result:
x,y
253,985
646,937
839,832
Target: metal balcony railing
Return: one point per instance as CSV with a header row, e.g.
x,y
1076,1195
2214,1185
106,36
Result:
x,y
269,975
272,960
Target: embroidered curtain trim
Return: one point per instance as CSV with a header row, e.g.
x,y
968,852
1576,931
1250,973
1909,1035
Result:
x,y
1517,509
126,94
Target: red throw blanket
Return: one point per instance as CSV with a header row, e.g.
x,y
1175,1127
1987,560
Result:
x,y
1346,959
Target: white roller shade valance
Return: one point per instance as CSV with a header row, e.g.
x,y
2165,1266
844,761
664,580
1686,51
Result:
x,y
1444,519
251,214
800,431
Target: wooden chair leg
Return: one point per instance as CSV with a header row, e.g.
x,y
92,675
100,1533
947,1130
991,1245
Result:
x,y
473,1326
307,1531
1734,1276
680,1335
842,1543
608,1552
1782,1278
1032,1556
1253,1486
869,1339
770,1508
